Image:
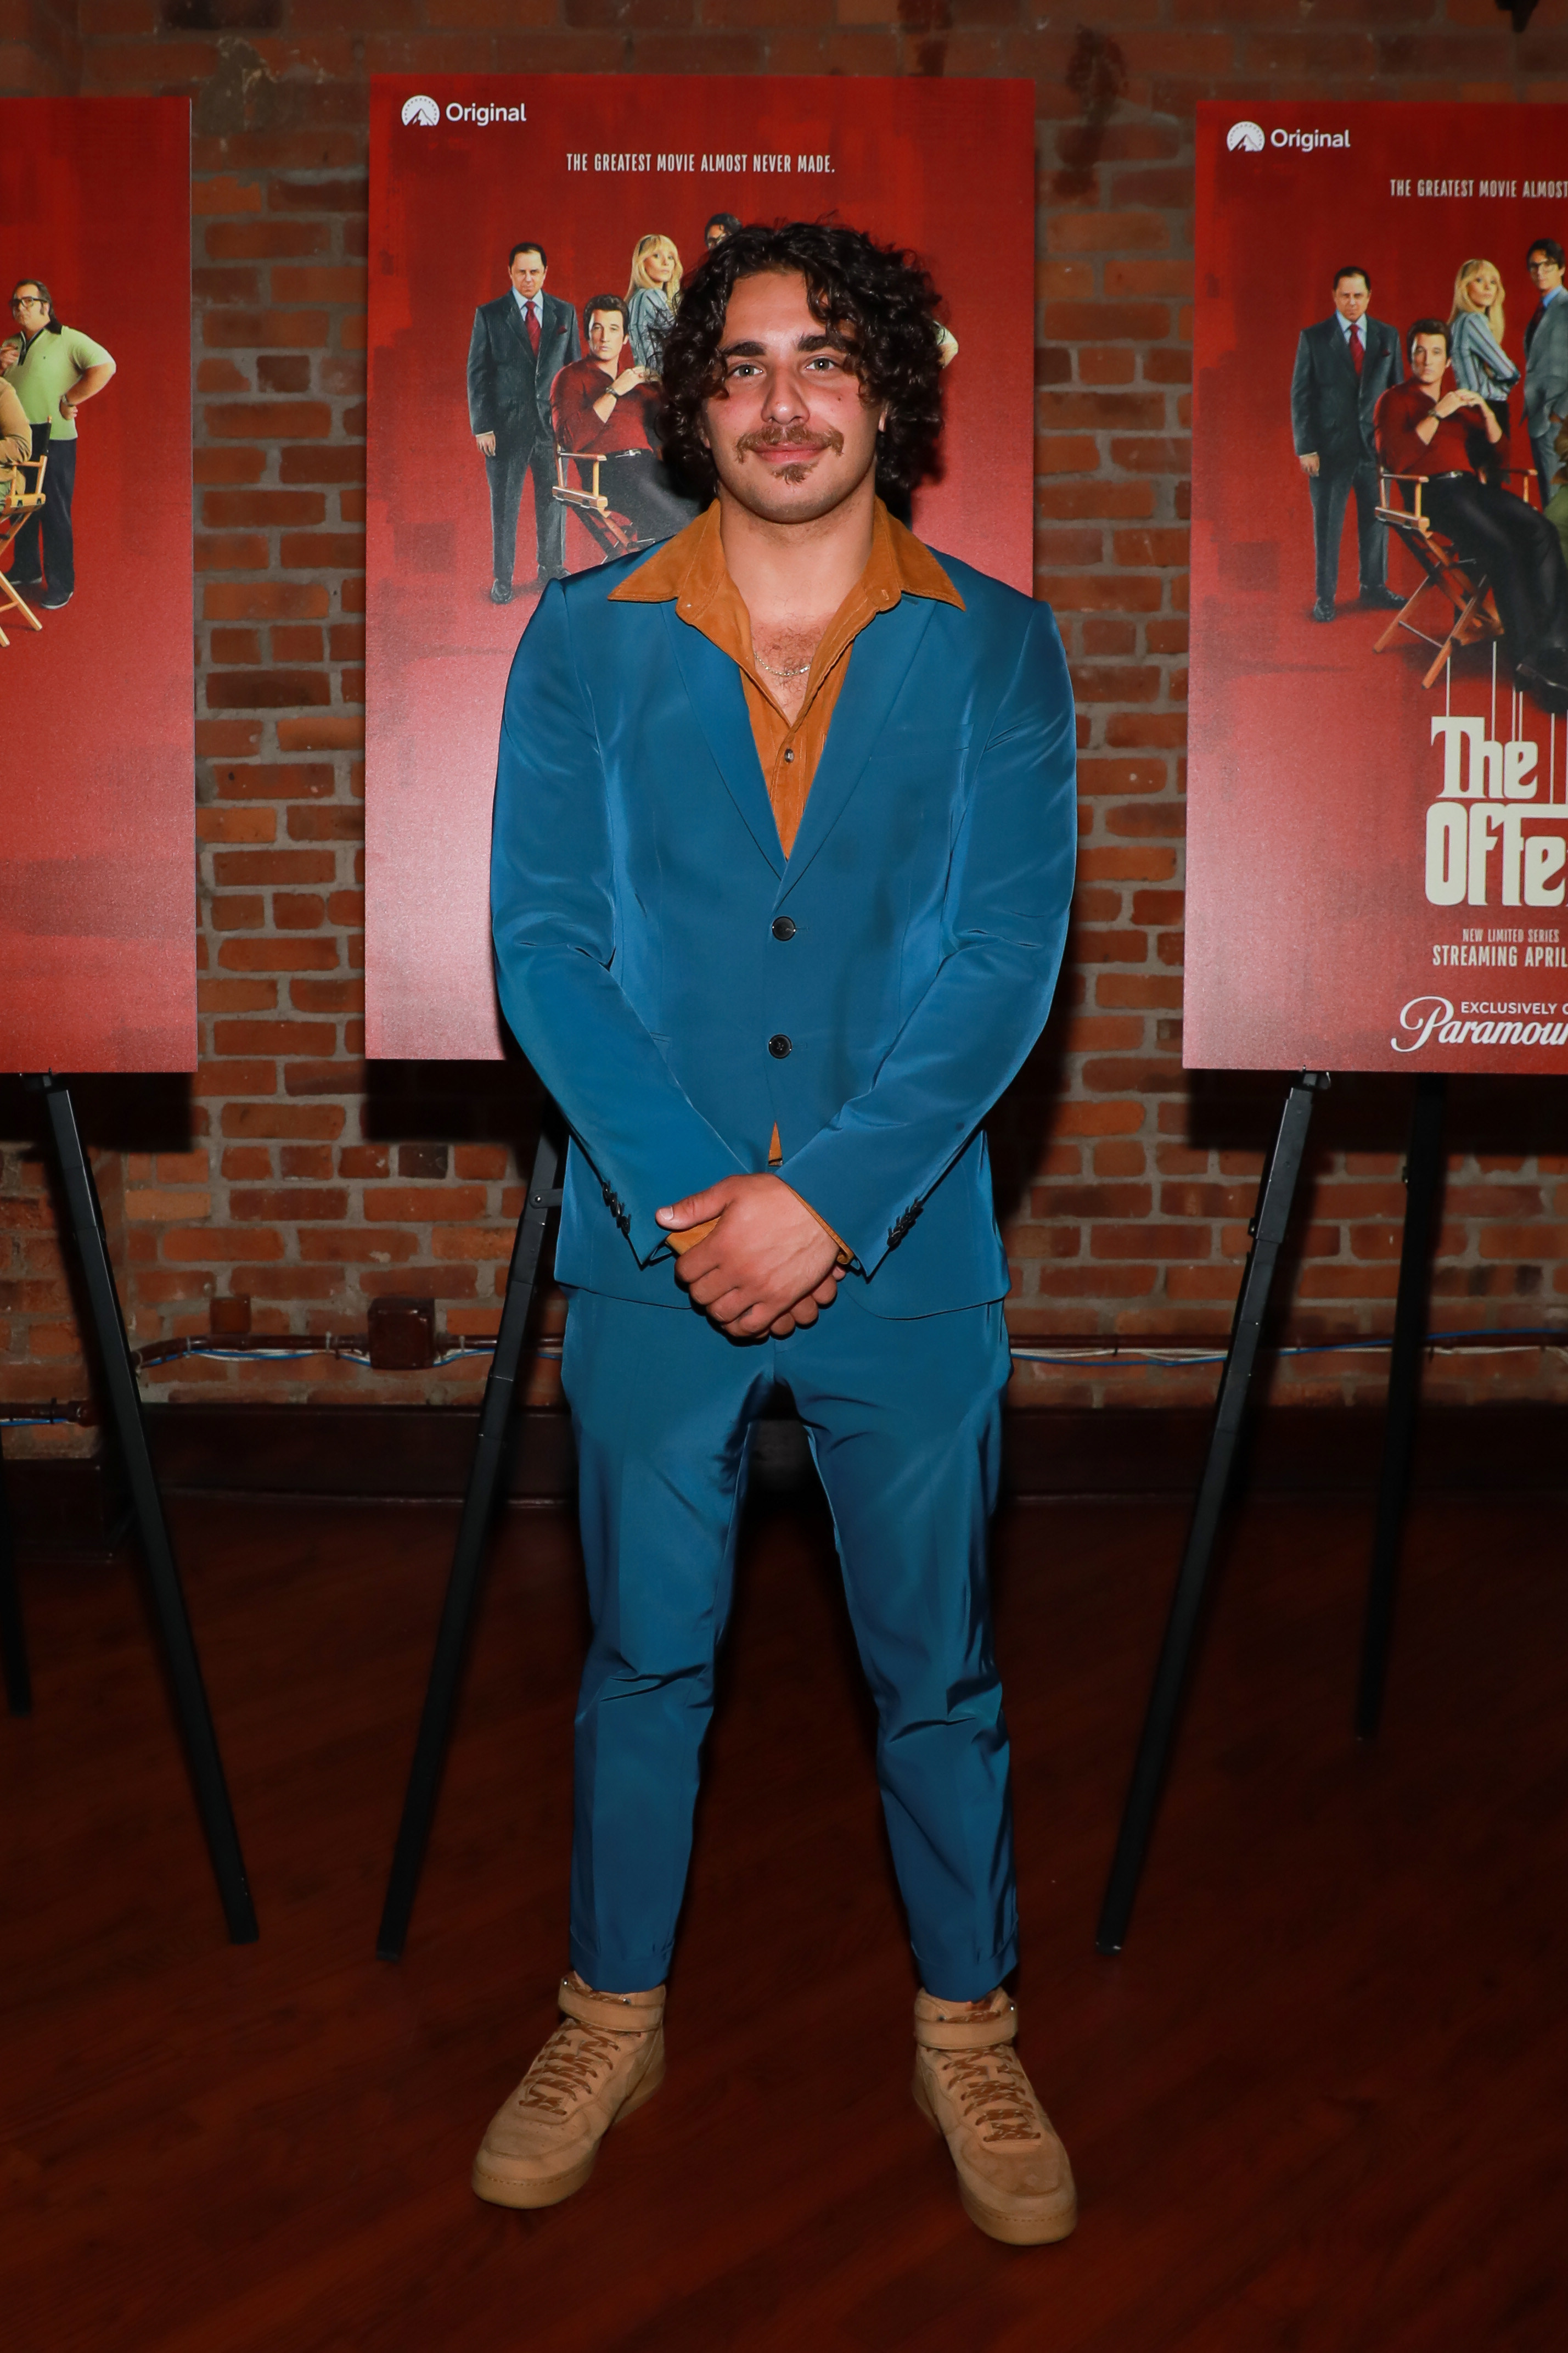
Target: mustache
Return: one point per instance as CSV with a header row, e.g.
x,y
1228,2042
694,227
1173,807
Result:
x,y
794,436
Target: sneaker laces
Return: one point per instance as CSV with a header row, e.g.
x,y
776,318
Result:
x,y
993,2091
571,2067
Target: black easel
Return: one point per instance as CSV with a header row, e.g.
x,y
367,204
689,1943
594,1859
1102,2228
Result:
x,y
12,1633
462,1585
1276,1194
86,1220
1423,1181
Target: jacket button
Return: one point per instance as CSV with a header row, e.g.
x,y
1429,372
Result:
x,y
779,1046
784,927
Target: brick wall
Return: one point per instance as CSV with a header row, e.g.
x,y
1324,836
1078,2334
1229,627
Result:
x,y
298,1178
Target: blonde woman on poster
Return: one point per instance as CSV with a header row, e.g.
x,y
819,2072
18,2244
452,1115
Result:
x,y
651,298
1476,324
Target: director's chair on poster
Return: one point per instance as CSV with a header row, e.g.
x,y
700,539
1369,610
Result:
x,y
17,507
1446,572
614,533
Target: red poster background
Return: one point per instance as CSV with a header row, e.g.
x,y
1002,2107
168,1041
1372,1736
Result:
x,y
1313,766
944,168
97,888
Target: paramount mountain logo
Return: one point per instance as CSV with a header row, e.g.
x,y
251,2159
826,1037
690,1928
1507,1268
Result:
x,y
1247,136
422,110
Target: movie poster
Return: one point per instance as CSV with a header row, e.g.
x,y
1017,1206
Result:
x,y
1378,821
500,207
97,893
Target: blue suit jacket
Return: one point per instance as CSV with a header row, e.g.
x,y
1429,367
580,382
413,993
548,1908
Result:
x,y
636,877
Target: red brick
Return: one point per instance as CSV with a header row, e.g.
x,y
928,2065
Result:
x,y
237,912
328,996
297,954
265,600
317,463
224,1079
273,1036
289,1204
337,283
232,463
419,1202
266,689
262,420
265,781
236,824
274,866
282,1119
266,241
330,823
298,642
245,330
264,509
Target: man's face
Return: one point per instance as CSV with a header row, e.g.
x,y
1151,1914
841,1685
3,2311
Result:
x,y
715,234
1546,275
606,336
1352,296
791,435
528,271
28,308
1428,358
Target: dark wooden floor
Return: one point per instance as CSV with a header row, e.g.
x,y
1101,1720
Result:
x,y
1319,2102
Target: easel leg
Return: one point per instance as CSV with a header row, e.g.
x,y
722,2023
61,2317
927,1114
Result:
x,y
462,1585
1276,1195
1423,1178
12,1633
125,1405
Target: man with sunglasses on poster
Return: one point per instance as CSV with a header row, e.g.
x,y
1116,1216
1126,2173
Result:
x,y
58,370
783,854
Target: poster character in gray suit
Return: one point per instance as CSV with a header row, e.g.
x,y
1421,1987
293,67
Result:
x,y
519,347
1344,366
1546,361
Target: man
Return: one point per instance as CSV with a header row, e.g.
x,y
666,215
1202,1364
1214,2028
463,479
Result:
x,y
1344,366
519,347
1546,361
784,847
605,409
720,225
59,370
1422,429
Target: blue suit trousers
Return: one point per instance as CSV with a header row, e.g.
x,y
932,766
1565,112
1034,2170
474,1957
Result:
x,y
904,1422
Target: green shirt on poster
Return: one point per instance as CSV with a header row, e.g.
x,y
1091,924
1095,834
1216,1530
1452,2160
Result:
x,y
48,370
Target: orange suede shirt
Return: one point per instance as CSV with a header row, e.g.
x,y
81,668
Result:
x,y
689,571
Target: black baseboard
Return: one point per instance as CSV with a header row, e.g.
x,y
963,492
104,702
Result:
x,y
421,1454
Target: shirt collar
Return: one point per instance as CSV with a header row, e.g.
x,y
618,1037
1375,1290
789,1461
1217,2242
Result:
x,y
1349,326
522,302
690,568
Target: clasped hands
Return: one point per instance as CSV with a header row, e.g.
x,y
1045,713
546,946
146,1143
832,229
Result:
x,y
766,1265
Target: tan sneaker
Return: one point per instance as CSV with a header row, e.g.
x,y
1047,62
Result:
x,y
1013,2173
605,2059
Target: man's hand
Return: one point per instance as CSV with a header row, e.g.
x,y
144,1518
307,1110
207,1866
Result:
x,y
1308,462
628,378
768,1265
487,442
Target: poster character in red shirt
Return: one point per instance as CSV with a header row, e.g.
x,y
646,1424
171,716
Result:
x,y
1422,429
603,406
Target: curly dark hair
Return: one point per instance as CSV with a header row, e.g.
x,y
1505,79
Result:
x,y
878,298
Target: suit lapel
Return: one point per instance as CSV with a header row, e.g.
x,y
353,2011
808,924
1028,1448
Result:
x,y
880,662
713,684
